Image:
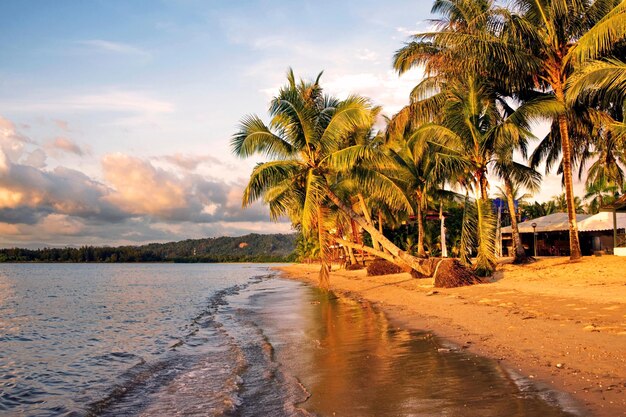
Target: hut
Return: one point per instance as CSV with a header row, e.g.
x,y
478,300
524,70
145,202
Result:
x,y
543,236
617,210
550,234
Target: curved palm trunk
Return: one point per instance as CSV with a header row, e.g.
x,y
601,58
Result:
x,y
398,255
368,217
421,253
380,226
518,248
324,276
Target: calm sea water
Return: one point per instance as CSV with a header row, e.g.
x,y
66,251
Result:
x,y
231,340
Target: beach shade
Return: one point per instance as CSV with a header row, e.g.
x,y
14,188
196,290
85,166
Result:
x,y
618,206
602,221
555,222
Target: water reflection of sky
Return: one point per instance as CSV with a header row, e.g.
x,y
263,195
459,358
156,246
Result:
x,y
68,331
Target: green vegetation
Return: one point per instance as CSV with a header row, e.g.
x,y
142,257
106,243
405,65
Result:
x,y
249,248
491,72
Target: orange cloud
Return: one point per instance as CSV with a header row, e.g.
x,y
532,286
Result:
x,y
140,188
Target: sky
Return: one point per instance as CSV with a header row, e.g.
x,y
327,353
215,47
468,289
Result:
x,y
116,116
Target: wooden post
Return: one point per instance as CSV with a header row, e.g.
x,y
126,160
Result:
x,y
614,229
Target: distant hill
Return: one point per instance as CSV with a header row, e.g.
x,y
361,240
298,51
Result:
x,y
249,248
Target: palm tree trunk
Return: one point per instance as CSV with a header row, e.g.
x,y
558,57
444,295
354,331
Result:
x,y
421,253
353,260
380,226
366,213
518,248
566,149
400,257
324,279
483,186
442,231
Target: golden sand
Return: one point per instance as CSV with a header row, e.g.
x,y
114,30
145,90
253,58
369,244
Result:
x,y
558,322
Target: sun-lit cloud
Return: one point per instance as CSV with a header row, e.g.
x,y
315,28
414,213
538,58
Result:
x,y
140,188
67,145
189,162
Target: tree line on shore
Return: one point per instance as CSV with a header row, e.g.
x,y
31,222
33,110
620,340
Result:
x,y
249,248
491,73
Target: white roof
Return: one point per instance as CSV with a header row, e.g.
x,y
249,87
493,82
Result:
x,y
602,221
555,222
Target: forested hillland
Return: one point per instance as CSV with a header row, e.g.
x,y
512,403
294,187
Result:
x,y
248,248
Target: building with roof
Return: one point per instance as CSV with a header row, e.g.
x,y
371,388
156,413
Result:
x,y
549,235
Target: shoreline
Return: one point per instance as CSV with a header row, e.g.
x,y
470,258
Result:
x,y
558,323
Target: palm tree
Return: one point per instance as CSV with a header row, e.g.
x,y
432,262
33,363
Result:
x,y
415,170
549,30
534,41
599,194
308,165
305,128
511,193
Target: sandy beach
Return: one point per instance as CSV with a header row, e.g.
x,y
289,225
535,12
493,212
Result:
x,y
559,323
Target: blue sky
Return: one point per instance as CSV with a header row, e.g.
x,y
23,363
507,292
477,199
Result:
x,y
115,116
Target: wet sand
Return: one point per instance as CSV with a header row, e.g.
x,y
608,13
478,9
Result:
x,y
559,323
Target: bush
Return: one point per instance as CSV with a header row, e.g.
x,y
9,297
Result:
x,y
355,267
382,267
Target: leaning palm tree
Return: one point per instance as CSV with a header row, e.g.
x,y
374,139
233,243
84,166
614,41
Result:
x,y
304,143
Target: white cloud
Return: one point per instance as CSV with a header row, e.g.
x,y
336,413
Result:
x,y
386,89
120,101
113,47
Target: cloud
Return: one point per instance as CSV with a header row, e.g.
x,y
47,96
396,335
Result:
x,y
113,47
36,159
189,162
386,89
67,145
366,55
63,125
34,192
140,188
119,101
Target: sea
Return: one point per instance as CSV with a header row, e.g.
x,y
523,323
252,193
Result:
x,y
230,340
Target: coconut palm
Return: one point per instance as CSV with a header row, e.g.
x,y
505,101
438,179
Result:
x,y
535,42
414,169
599,194
305,128
309,166
549,31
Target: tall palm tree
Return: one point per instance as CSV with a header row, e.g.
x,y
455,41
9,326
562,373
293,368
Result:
x,y
534,41
549,30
